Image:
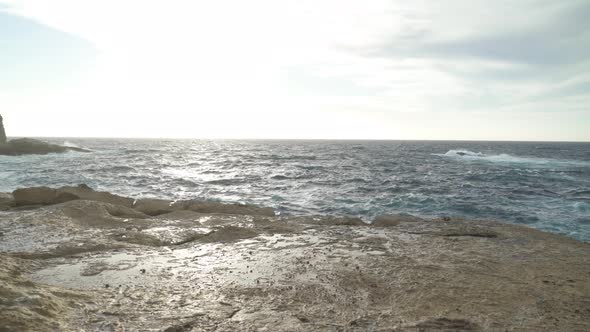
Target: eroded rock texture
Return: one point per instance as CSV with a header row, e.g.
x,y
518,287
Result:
x,y
100,265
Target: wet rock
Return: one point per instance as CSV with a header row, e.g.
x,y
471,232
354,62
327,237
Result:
x,y
153,207
179,328
329,221
6,201
41,196
121,211
86,193
390,220
84,186
448,325
229,234
98,214
324,274
181,215
216,207
161,236
26,306
50,196
140,238
468,231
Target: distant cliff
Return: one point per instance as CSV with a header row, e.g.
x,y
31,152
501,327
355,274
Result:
x,y
25,146
2,132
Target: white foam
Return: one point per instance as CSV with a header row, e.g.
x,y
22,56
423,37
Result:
x,y
71,145
509,159
462,153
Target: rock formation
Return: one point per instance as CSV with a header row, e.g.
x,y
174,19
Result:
x,y
38,196
23,146
2,132
104,263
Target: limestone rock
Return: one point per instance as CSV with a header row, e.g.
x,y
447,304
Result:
x,y
24,146
216,207
328,221
98,214
424,276
2,132
6,201
40,196
323,273
153,207
86,193
390,220
50,196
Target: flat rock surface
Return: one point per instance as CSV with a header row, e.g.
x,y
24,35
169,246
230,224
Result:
x,y
97,266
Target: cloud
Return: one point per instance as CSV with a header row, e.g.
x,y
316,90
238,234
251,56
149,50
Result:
x,y
496,56
401,68
559,37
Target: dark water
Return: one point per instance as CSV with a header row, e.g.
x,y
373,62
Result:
x,y
543,185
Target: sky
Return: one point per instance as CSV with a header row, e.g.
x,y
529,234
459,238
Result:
x,y
325,69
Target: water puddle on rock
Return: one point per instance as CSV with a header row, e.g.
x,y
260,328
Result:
x,y
248,262
132,267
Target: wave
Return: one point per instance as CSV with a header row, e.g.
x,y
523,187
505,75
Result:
x,y
131,151
225,182
71,145
509,159
110,169
578,193
292,157
461,153
121,169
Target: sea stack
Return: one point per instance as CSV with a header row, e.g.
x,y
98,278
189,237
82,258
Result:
x,y
2,132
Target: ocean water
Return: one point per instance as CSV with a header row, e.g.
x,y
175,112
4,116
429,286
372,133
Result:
x,y
542,185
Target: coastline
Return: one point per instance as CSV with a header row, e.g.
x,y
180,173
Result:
x,y
72,257
544,187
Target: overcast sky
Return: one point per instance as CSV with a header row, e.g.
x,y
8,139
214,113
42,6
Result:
x,y
376,69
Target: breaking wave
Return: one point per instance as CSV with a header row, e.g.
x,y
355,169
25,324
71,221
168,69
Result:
x,y
71,145
509,159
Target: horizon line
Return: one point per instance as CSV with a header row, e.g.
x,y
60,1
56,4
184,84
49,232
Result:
x,y
306,139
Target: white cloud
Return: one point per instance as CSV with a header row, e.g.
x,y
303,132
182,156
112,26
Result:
x,y
342,69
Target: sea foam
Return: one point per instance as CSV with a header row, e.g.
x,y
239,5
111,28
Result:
x,y
510,159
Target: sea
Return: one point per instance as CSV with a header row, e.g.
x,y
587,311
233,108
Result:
x,y
540,185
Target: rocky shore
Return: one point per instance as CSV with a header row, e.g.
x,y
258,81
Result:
x,y
76,259
25,146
